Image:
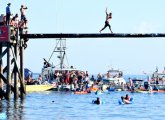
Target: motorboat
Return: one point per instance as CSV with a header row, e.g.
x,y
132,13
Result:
x,y
114,76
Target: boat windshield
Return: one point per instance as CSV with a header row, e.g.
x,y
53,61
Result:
x,y
115,73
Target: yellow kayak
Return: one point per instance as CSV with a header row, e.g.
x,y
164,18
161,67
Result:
x,y
35,88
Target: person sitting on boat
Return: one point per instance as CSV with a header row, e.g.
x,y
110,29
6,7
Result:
x,y
92,88
92,78
97,101
29,81
150,88
124,100
98,91
127,97
108,75
141,87
156,88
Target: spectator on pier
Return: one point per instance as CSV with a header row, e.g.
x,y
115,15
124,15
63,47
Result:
x,y
2,20
23,17
108,17
8,13
13,34
14,21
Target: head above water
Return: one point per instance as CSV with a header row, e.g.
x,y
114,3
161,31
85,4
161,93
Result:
x,y
98,98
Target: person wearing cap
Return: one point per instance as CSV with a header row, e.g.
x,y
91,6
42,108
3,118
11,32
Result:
x,y
8,13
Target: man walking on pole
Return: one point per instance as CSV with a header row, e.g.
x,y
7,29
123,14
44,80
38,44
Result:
x,y
108,17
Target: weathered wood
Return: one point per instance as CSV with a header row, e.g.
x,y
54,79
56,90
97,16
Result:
x,y
16,94
16,68
5,81
5,68
8,88
22,87
1,70
3,53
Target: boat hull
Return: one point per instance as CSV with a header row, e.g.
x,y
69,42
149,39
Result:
x,y
35,88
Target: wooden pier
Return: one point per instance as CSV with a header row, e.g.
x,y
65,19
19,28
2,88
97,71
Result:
x,y
12,51
11,64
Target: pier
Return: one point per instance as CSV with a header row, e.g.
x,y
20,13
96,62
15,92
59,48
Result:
x,y
12,51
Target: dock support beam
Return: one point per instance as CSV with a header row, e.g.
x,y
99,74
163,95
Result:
x,y
8,88
16,94
22,90
1,72
12,74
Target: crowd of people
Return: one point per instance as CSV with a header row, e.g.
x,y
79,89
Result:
x,y
16,23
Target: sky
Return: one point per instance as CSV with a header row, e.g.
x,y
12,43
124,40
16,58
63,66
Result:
x,y
96,55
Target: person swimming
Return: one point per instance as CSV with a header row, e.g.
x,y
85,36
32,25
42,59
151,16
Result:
x,y
124,100
127,97
97,101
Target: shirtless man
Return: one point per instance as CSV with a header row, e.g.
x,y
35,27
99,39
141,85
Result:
x,y
23,17
108,17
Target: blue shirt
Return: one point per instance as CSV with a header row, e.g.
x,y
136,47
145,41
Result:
x,y
7,10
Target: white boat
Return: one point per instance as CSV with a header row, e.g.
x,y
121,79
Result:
x,y
54,73
49,69
114,76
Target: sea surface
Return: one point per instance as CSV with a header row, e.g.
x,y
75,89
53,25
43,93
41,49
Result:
x,y
53,105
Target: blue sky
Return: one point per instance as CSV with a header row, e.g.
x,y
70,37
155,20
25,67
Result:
x,y
87,16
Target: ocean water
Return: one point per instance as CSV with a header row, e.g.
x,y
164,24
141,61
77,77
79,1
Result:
x,y
52,105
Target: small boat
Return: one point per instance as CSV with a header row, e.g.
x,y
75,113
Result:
x,y
37,88
114,76
81,92
146,91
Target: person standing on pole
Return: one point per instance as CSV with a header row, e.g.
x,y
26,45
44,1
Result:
x,y
108,17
